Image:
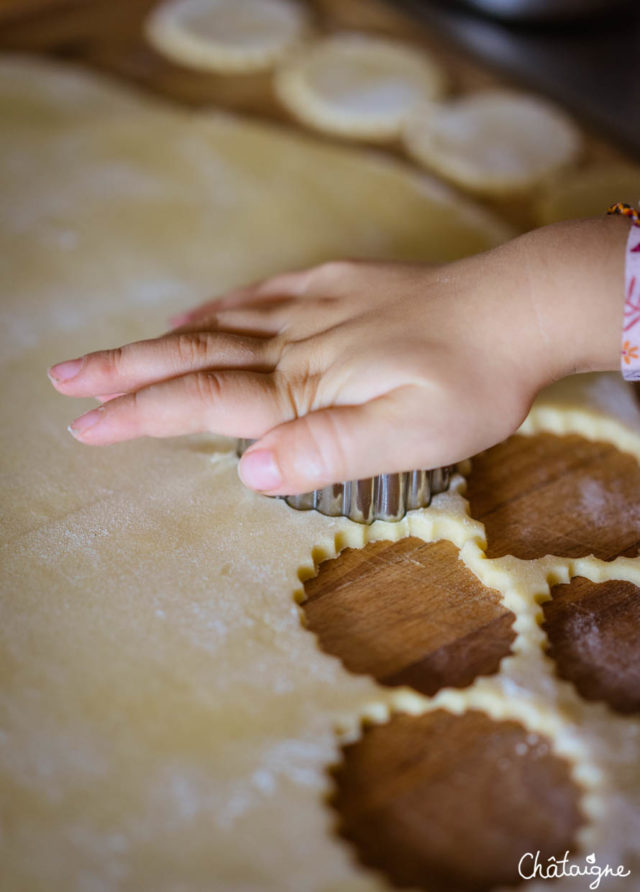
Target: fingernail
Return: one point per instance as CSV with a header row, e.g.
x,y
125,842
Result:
x,y
258,470
81,425
64,371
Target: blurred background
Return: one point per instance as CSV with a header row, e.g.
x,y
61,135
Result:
x,y
578,53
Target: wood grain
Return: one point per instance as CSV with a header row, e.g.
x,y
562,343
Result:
x,y
593,632
451,803
408,613
557,495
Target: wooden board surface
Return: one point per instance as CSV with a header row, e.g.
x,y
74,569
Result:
x,y
409,612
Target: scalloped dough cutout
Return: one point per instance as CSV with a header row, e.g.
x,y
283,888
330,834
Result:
x,y
450,803
557,495
594,641
408,613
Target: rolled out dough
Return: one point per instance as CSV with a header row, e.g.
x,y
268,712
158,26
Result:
x,y
165,720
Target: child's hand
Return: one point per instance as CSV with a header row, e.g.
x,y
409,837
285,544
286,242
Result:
x,y
343,371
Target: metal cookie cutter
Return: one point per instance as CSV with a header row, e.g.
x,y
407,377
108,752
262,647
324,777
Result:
x,y
386,497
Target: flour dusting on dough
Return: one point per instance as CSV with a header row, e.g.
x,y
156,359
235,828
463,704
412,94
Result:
x,y
165,716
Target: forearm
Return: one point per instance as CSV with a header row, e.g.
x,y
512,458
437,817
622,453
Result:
x,y
574,274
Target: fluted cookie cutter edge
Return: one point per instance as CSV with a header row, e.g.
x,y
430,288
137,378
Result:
x,y
385,497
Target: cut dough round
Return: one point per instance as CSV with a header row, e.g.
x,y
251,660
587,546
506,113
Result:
x,y
497,142
226,36
357,85
589,192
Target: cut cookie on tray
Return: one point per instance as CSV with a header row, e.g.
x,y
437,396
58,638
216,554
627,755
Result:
x,y
493,143
226,36
357,85
588,192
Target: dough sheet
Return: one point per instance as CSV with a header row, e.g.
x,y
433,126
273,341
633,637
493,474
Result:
x,y
165,720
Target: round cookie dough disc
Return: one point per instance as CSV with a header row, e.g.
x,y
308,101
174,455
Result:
x,y
226,36
357,85
496,142
589,192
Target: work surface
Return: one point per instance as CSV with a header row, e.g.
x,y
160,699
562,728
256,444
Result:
x,y
409,614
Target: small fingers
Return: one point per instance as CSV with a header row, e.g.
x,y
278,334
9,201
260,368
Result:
x,y
254,319
140,364
316,281
236,403
291,284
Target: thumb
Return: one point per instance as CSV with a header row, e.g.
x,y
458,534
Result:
x,y
332,445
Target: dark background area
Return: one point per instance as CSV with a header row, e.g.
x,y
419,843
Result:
x,y
589,64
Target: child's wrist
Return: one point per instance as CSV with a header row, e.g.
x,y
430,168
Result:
x,y
576,274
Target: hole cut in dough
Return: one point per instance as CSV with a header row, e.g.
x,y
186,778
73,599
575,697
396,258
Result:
x,y
556,495
447,803
408,613
594,642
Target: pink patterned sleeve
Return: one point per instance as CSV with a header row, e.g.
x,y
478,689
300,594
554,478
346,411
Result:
x,y
630,353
